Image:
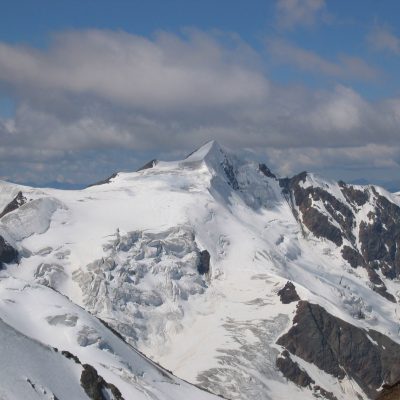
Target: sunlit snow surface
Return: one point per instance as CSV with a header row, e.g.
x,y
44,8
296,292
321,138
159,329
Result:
x,y
128,251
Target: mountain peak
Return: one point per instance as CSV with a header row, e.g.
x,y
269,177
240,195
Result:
x,y
217,159
209,150
155,249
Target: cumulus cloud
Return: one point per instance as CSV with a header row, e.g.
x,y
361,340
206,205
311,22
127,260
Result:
x,y
292,13
135,71
97,101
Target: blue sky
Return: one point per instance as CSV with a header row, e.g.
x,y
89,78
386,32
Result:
x,y
91,87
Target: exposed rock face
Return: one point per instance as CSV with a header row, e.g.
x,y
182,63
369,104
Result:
x,y
316,222
319,225
230,174
17,202
331,217
353,257
319,392
7,253
204,263
390,392
104,181
148,165
70,356
292,371
380,239
288,293
354,196
96,387
266,171
341,349
382,289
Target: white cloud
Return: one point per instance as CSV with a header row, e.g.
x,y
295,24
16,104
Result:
x,y
361,158
292,13
135,71
340,112
115,97
381,38
345,67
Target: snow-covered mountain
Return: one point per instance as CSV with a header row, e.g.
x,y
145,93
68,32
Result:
x,y
244,284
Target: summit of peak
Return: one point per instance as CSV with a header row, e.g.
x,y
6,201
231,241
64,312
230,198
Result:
x,y
211,148
217,159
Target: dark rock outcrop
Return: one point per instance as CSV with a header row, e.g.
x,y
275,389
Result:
x,y
356,197
7,253
390,392
320,226
378,247
288,184
320,392
204,263
70,356
382,290
291,370
380,237
288,293
353,257
316,222
104,181
379,240
377,284
266,171
148,165
17,202
341,349
95,386
230,174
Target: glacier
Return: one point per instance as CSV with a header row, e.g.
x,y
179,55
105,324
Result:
x,y
112,275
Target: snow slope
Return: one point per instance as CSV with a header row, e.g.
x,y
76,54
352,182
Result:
x,y
31,370
45,316
128,252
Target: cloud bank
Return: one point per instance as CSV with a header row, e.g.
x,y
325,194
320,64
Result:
x,y
92,93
